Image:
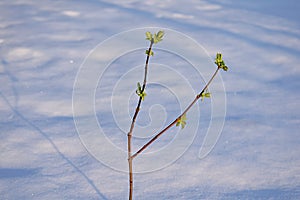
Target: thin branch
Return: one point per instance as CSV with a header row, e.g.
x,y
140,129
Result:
x,y
129,135
175,121
143,89
146,66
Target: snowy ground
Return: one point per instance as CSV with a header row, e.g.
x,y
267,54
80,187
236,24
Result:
x,y
43,44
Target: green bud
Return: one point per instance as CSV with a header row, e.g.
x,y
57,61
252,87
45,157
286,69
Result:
x,y
181,121
220,63
205,95
150,54
139,91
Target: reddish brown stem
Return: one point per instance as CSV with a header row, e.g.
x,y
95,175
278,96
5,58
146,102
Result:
x,y
175,121
129,135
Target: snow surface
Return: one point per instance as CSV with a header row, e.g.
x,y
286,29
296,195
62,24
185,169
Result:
x,y
44,43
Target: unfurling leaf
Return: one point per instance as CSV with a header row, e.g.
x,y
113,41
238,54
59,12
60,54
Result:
x,y
220,63
205,95
142,95
218,59
150,54
158,36
139,91
181,121
225,68
139,88
148,36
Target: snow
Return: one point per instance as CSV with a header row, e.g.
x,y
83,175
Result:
x,y
45,44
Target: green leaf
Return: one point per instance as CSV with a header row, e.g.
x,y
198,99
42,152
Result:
x,y
225,68
150,54
205,95
142,95
181,121
139,91
220,63
158,36
139,87
148,36
218,59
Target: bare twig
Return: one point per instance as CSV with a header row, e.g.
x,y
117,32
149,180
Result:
x,y
129,135
180,120
176,120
